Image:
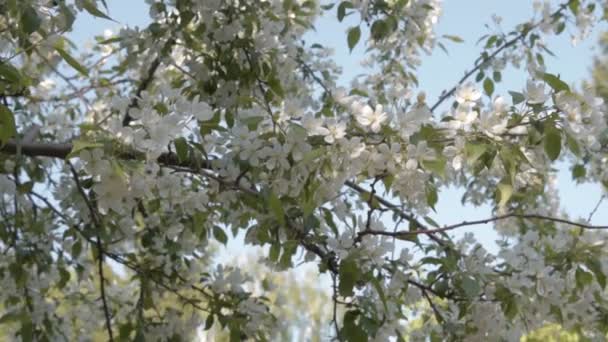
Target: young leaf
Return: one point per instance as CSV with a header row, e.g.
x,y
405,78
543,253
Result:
x,y
9,74
552,142
30,21
220,235
431,196
488,86
453,38
354,34
555,83
344,5
7,124
470,286
181,147
517,97
275,205
72,61
349,274
505,191
91,7
79,145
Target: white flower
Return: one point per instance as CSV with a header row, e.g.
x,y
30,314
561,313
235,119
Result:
x,y
535,92
456,152
200,110
314,126
372,118
467,94
410,123
465,117
416,154
494,122
335,131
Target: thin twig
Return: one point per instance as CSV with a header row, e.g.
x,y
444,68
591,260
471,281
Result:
x,y
335,307
596,207
484,61
438,315
484,221
100,252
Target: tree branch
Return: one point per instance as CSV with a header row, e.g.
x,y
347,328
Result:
x,y
483,61
484,221
100,252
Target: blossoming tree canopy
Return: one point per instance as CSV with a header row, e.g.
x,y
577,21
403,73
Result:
x,y
122,167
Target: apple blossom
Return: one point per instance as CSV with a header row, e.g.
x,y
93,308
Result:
x,y
128,164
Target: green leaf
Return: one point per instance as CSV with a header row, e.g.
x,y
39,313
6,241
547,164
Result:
x,y
289,249
124,331
344,5
497,76
431,222
7,124
220,235
354,34
470,286
27,329
30,21
11,316
9,74
79,145
376,283
437,166
208,322
517,97
474,151
431,196
91,7
328,216
210,125
553,142
64,277
453,38
574,6
555,83
488,86
252,122
379,29
351,331
181,147
275,252
504,193
349,274
72,61
578,171
573,145
76,249
312,155
275,205
491,40
582,277
596,267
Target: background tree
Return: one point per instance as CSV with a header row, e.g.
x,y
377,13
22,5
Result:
x,y
126,165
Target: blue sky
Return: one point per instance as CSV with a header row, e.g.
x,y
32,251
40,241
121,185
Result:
x,y
465,18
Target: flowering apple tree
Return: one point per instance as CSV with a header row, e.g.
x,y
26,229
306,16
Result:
x,y
123,165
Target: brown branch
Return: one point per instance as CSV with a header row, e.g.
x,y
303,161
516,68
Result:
x,y
335,307
438,314
484,61
484,221
395,209
146,81
100,251
62,150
